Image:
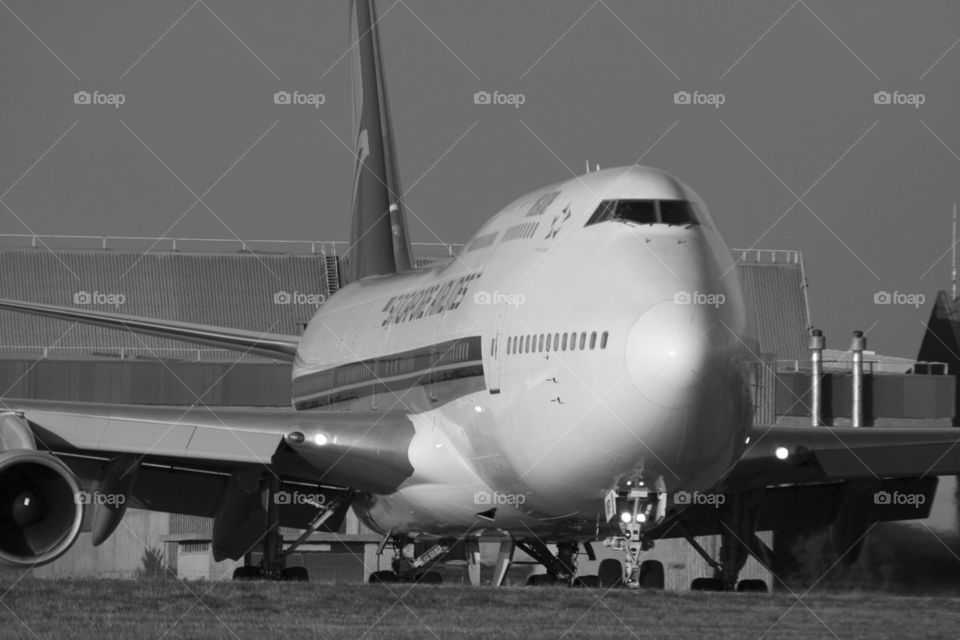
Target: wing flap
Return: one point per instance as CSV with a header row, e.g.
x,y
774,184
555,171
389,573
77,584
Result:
x,y
194,492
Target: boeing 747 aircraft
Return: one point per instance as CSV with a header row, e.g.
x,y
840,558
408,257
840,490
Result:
x,y
440,409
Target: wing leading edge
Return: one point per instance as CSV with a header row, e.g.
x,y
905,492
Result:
x,y
829,454
274,345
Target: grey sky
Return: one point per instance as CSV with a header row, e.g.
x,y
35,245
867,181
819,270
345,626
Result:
x,y
798,80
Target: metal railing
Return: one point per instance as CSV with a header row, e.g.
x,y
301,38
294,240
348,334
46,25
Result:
x,y
193,354
767,256
869,366
325,247
315,247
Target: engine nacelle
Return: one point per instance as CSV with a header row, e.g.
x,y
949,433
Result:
x,y
40,513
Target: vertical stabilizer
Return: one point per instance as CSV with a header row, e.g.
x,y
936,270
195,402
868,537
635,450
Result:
x,y
379,243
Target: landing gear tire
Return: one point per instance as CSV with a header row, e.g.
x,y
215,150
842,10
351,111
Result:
x,y
590,582
752,586
651,575
429,577
541,580
247,573
383,577
610,573
706,584
295,574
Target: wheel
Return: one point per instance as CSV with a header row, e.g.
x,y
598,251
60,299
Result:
x,y
295,574
541,580
429,577
651,574
752,586
383,577
247,573
611,573
706,584
590,582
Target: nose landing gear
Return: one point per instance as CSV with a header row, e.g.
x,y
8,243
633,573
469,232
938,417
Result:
x,y
637,508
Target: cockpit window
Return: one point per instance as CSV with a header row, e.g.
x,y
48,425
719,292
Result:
x,y
676,212
670,212
641,211
603,212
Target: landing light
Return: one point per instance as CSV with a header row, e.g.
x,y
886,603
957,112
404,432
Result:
x,y
641,517
747,441
478,409
781,453
626,517
321,439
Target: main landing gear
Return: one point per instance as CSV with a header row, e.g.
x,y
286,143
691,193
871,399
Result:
x,y
561,568
738,540
420,569
273,565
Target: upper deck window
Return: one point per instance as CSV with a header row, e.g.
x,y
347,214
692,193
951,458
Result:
x,y
670,212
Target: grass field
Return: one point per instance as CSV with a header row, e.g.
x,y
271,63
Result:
x,y
97,609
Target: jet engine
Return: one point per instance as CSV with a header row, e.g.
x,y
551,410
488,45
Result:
x,y
41,508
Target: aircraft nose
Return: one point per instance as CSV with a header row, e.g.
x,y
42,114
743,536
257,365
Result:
x,y
675,354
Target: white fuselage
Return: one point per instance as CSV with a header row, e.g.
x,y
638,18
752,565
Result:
x,y
516,414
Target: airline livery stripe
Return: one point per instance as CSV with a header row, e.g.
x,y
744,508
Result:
x,y
453,359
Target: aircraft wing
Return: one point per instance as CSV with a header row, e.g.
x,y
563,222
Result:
x,y
363,451
274,345
830,454
821,471
187,460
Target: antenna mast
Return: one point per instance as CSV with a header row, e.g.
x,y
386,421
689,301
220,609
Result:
x,y
953,248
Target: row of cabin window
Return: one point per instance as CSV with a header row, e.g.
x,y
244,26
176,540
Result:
x,y
556,342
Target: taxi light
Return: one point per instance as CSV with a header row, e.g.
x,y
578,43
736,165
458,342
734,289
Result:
x,y
626,516
782,453
321,439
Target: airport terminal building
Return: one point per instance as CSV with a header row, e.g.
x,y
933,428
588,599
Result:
x,y
276,287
